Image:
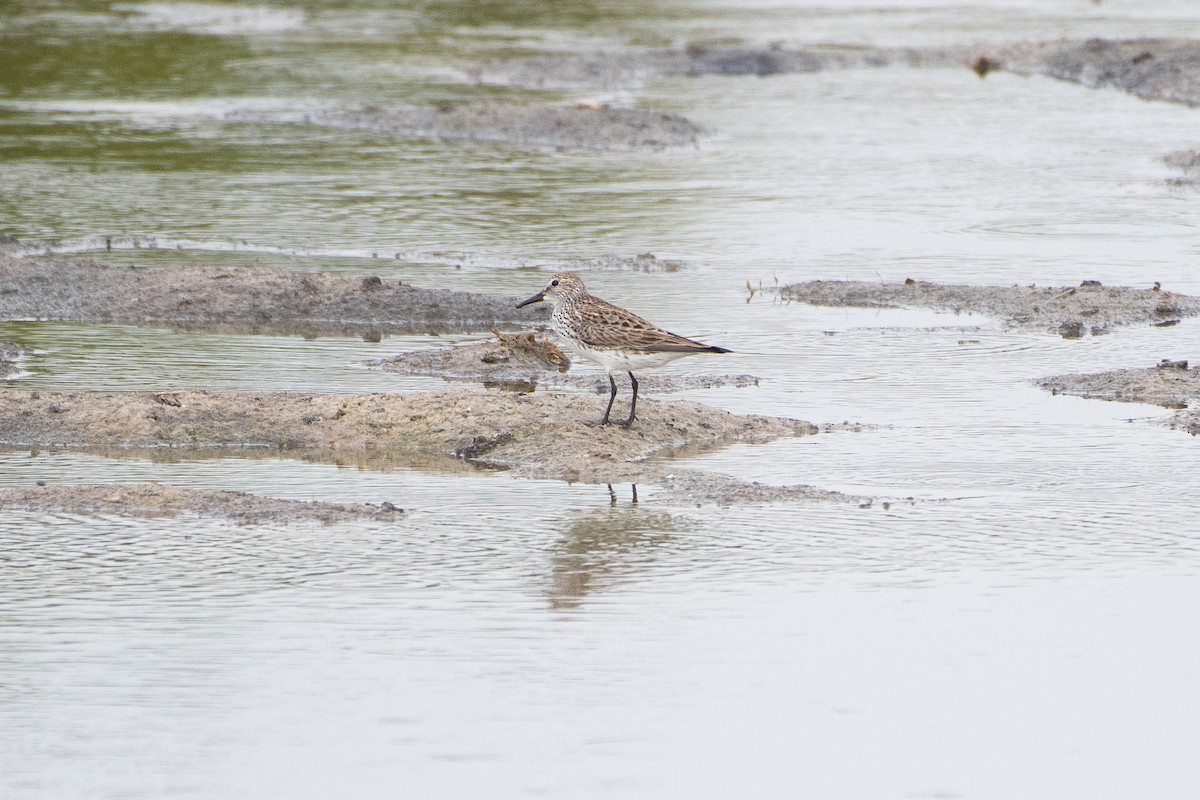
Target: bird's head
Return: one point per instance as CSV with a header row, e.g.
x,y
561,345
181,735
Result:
x,y
563,286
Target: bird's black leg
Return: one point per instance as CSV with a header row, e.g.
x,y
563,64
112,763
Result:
x,y
633,402
611,397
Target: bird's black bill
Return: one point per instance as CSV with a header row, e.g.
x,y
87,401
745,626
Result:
x,y
537,298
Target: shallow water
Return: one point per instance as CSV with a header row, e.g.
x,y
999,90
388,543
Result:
x,y
1012,623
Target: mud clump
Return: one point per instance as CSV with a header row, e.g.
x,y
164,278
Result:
x,y
541,436
1170,385
642,262
723,490
242,300
1187,162
516,361
156,500
585,126
1068,311
524,361
11,355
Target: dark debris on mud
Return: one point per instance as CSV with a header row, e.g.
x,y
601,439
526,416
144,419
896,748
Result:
x,y
1070,311
242,300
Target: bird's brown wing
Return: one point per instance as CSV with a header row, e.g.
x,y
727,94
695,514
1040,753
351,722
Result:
x,y
611,327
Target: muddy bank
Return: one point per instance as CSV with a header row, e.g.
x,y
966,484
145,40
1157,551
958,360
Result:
x,y
1170,384
1070,311
609,70
535,435
156,500
587,126
1154,69
242,300
524,361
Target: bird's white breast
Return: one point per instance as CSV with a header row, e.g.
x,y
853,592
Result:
x,y
621,360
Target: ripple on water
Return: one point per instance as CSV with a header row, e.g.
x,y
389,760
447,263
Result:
x,y
1102,228
461,526
81,357
214,19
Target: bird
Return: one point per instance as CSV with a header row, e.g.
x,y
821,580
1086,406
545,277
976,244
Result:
x,y
616,339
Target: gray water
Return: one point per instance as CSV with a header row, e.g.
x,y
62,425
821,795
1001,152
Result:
x,y
1015,623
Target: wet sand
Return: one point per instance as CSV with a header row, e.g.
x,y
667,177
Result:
x,y
1170,384
1070,311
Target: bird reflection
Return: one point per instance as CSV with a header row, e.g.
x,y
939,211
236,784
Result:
x,y
604,546
612,495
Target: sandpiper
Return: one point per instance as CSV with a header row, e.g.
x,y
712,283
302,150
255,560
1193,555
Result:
x,y
616,339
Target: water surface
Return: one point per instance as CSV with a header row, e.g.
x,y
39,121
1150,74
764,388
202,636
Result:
x,y
1015,622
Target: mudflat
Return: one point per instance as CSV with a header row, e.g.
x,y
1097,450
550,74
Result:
x,y
157,500
1070,311
1169,384
539,435
242,300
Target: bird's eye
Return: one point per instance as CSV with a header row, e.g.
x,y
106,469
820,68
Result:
x,y
554,282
